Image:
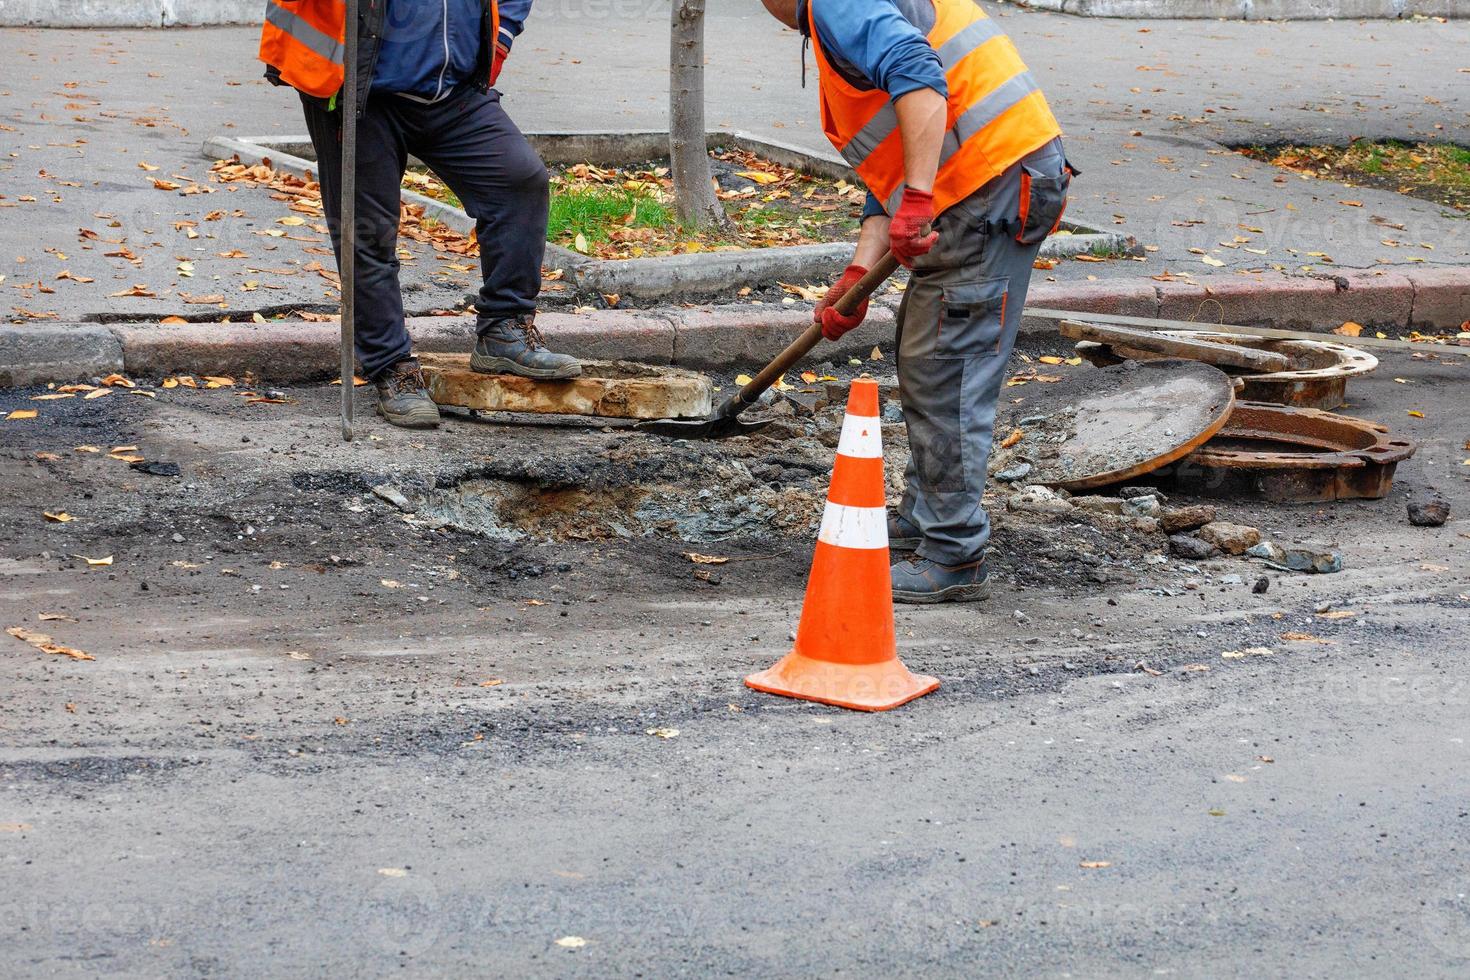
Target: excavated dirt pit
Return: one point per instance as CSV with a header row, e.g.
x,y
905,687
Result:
x,y
764,486
752,491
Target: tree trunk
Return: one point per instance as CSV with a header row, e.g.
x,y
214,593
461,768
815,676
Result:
x,y
694,194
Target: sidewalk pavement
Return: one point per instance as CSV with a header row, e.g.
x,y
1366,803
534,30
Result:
x,y
1147,106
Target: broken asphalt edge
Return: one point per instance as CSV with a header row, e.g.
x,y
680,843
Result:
x,y
730,336
663,278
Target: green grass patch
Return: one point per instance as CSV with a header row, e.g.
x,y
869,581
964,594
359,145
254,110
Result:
x,y
628,212
594,212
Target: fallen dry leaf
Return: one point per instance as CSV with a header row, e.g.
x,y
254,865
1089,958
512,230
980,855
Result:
x,y
95,561
1094,864
571,942
58,517
45,644
663,732
1306,638
699,559
1349,329
21,414
492,682
1247,652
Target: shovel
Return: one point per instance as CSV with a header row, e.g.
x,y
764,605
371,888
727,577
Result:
x,y
725,421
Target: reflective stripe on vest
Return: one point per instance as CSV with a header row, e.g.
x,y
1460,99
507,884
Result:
x,y
996,110
304,33
304,42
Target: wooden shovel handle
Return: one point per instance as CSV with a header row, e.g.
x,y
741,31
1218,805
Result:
x,y
809,338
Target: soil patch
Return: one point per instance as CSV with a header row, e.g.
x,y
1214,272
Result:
x,y
1438,172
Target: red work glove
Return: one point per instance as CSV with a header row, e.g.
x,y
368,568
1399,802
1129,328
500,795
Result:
x,y
497,61
906,236
834,324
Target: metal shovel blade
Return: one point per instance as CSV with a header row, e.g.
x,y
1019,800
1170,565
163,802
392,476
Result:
x,y
716,426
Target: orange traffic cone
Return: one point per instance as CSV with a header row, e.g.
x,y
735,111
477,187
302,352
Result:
x,y
846,653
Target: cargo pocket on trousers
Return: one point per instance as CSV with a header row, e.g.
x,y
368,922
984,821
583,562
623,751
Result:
x,y
932,409
971,318
1043,202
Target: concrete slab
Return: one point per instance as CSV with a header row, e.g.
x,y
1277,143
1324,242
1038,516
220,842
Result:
x,y
1374,299
609,389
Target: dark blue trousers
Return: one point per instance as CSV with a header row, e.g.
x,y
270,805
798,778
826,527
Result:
x,y
474,148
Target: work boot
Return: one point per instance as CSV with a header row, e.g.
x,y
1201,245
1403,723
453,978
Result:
x,y
903,534
919,580
403,397
513,345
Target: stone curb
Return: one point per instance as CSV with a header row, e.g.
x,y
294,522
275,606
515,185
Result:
x,y
44,352
1251,9
731,336
127,13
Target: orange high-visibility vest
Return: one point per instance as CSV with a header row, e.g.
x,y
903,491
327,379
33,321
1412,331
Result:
x,y
997,113
303,40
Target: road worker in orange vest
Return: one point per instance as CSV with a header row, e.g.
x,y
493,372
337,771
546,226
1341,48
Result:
x,y
426,76
930,103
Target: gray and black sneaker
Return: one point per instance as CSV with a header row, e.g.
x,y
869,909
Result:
x,y
513,345
903,534
403,397
919,580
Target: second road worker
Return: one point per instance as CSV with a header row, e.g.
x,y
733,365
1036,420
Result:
x,y
929,101
426,76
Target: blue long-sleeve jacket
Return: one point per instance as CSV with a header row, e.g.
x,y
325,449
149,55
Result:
x,y
428,47
878,44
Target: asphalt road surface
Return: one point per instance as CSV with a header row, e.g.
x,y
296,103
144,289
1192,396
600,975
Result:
x,y
321,735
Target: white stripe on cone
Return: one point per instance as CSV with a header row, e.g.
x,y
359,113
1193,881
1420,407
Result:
x,y
854,527
862,437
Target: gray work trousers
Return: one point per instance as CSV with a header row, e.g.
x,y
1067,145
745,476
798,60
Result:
x,y
956,327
